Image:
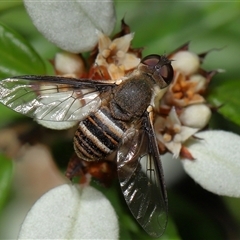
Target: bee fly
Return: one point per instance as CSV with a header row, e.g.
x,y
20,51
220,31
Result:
x,y
116,116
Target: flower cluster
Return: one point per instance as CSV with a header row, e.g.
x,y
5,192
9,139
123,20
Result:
x,y
181,115
183,109
111,59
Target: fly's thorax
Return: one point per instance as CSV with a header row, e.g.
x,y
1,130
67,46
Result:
x,y
98,135
131,98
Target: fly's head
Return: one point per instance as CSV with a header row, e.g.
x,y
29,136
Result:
x,y
158,68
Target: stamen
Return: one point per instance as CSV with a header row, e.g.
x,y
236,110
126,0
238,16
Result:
x,y
106,53
167,137
176,128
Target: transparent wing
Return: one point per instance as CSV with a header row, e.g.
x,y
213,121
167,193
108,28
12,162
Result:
x,y
52,98
141,179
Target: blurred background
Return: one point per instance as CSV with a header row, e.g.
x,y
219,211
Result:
x,y
160,27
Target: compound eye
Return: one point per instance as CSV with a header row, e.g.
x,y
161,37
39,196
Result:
x,y
166,71
151,60
163,71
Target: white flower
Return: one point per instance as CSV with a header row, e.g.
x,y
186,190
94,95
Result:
x,y
216,164
114,55
69,212
72,25
183,92
171,133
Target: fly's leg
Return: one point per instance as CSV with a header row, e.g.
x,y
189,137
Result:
x,y
103,171
77,168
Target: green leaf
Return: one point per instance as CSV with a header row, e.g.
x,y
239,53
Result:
x,y
17,57
191,219
169,234
6,5
234,207
226,93
162,26
6,172
7,115
26,28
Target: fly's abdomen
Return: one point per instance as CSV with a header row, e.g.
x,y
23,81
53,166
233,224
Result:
x,y
98,135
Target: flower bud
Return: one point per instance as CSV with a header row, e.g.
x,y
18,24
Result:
x,y
195,116
69,63
185,62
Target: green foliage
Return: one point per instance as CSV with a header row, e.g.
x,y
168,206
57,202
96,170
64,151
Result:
x,y
17,57
201,224
164,26
160,27
5,5
6,172
234,206
26,29
226,96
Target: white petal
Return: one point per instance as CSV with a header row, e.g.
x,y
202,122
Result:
x,y
173,117
130,61
67,212
72,25
200,81
103,41
123,43
186,133
173,147
217,162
